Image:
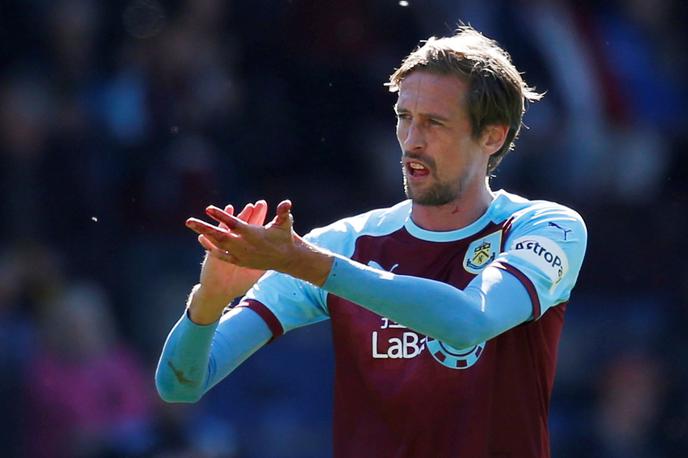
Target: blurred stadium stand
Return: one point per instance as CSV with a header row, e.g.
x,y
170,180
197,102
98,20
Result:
x,y
119,119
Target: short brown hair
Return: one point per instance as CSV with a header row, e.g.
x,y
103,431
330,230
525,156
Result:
x,y
498,93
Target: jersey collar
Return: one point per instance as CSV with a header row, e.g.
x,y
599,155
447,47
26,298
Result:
x,y
456,234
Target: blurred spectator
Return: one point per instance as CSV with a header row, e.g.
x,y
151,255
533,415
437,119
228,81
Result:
x,y
631,395
86,390
21,289
25,112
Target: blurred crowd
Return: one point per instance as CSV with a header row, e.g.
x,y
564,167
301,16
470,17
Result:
x,y
120,119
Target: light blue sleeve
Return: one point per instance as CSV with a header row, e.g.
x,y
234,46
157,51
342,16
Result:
x,y
294,302
494,302
195,358
544,248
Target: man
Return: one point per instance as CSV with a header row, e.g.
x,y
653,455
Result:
x,y
446,309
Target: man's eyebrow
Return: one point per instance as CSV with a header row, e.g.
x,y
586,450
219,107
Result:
x,y
436,116
439,117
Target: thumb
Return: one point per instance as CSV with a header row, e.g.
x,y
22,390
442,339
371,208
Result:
x,y
283,218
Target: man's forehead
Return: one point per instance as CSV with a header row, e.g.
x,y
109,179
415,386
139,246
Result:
x,y
424,90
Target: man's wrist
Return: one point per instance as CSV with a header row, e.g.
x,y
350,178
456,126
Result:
x,y
203,308
310,263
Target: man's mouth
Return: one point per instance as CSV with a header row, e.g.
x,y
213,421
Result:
x,y
416,169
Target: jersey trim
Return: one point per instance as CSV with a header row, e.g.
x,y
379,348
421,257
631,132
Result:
x,y
266,314
532,292
448,236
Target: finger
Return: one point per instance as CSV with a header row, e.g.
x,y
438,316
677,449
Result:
x,y
246,213
283,216
214,251
259,212
218,235
206,243
233,223
211,241
229,208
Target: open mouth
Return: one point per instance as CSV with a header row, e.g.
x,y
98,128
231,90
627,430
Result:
x,y
416,169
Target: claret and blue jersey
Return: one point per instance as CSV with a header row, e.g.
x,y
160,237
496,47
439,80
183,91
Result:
x,y
399,392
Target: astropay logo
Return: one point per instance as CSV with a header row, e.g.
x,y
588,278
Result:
x,y
543,253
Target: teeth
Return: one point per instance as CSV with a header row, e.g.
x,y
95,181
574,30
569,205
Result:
x,y
415,165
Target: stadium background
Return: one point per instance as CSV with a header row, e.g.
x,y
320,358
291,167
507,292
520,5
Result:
x,y
120,119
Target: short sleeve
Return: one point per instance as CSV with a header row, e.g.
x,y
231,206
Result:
x,y
544,248
287,303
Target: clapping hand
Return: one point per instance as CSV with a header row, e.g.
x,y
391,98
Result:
x,y
220,280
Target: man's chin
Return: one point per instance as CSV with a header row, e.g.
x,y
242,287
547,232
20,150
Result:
x,y
431,200
430,197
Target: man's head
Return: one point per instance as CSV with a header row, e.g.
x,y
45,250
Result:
x,y
494,92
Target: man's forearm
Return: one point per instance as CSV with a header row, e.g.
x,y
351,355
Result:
x,y
183,366
309,263
205,309
436,309
197,357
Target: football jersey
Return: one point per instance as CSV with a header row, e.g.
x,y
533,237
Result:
x,y
399,393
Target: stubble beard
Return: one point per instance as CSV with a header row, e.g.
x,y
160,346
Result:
x,y
439,193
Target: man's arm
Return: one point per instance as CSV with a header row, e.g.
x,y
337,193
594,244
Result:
x,y
196,357
493,303
202,348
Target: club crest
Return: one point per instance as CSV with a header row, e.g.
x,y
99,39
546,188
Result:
x,y
481,252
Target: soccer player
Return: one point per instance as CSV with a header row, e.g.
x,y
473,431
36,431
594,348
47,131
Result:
x,y
446,308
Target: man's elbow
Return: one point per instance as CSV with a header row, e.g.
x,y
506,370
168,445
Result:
x,y
481,330
461,342
172,393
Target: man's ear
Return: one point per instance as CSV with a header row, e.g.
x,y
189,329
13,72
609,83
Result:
x,y
493,137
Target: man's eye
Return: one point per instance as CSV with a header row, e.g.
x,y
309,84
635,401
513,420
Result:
x,y
435,122
403,116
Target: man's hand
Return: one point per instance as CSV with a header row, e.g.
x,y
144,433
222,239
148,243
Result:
x,y
220,280
274,246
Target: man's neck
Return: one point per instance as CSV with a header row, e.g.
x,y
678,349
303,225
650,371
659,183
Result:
x,y
457,214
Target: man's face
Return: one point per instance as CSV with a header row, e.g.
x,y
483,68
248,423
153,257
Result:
x,y
440,157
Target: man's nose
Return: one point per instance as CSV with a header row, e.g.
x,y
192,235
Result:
x,y
415,138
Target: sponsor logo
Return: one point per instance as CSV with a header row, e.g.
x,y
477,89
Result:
x,y
409,345
544,254
454,358
561,228
481,252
